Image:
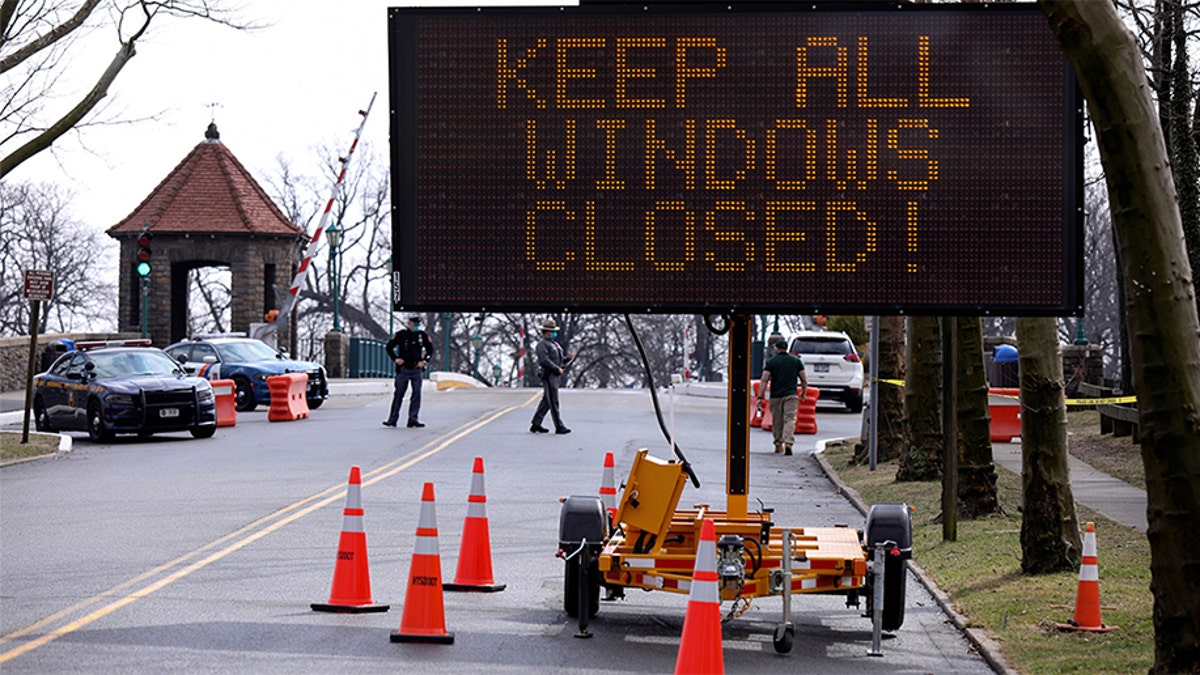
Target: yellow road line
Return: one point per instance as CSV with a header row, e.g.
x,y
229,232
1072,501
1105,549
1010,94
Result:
x,y
253,532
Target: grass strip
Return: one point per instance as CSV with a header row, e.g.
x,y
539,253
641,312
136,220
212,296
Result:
x,y
11,447
981,572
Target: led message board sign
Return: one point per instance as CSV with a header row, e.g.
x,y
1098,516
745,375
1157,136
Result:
x,y
769,158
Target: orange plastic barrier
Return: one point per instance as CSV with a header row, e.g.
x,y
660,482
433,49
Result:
x,y
225,394
289,399
757,404
806,411
1004,405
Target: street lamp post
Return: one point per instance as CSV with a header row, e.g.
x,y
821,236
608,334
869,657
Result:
x,y
496,374
477,343
334,233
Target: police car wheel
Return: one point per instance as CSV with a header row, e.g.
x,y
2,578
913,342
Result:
x,y
244,395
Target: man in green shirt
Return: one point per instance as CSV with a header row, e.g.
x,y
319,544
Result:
x,y
782,374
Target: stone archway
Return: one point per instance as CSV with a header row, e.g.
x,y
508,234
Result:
x,y
208,211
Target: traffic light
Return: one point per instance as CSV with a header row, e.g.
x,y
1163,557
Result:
x,y
142,266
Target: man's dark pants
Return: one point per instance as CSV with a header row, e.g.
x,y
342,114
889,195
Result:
x,y
403,379
549,402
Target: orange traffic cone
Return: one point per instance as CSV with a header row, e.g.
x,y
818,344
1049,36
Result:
x,y
424,618
700,646
351,576
475,553
1087,598
608,486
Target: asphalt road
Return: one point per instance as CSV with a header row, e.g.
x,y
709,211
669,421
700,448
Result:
x,y
175,554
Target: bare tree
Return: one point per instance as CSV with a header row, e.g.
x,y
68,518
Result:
x,y
37,231
210,300
1049,526
976,470
921,458
1161,306
35,43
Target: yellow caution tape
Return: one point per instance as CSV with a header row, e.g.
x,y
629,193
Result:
x,y
1116,400
1102,401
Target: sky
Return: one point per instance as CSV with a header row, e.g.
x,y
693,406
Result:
x,y
287,90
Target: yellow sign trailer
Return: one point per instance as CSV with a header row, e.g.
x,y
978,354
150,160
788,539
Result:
x,y
650,544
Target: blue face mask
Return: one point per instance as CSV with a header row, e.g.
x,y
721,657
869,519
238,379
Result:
x,y
415,328
554,334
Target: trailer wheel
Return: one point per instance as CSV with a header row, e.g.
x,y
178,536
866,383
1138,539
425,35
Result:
x,y
784,634
572,579
891,522
894,583
581,519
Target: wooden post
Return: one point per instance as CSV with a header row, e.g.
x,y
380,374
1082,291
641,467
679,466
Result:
x,y
33,333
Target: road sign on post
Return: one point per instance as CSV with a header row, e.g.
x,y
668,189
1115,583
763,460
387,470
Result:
x,y
39,288
39,285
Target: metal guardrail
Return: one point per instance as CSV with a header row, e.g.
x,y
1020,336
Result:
x,y
368,358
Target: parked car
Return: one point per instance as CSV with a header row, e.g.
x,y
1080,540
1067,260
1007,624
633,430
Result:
x,y
248,362
122,390
832,366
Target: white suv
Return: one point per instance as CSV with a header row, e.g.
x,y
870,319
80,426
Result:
x,y
832,366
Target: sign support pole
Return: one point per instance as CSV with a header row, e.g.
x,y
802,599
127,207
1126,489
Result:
x,y
33,335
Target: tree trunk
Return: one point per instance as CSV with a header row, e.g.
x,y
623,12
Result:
x,y
921,458
1161,308
1049,528
976,470
890,441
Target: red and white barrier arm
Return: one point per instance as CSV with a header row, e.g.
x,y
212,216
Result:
x,y
311,247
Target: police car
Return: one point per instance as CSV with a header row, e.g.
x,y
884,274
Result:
x,y
122,387
248,362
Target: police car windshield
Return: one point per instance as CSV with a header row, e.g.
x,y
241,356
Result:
x,y
133,362
247,350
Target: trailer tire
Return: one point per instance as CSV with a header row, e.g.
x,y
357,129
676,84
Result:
x,y
582,518
894,583
571,581
891,522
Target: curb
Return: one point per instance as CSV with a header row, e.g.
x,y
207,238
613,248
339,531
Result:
x,y
980,638
65,446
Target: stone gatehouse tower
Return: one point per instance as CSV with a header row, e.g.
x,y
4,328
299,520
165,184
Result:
x,y
209,211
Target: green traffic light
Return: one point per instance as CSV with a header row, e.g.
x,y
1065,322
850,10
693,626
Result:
x,y
143,269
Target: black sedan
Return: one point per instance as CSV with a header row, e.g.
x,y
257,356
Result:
x,y
122,390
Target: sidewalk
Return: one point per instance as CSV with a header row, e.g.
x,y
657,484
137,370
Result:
x,y
1115,499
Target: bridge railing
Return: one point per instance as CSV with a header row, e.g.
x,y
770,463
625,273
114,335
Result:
x,y
368,358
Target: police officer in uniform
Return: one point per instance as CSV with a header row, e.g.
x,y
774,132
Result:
x,y
551,360
409,349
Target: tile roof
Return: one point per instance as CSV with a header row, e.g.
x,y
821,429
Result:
x,y
209,192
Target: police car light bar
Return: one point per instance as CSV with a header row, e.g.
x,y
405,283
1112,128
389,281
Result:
x,y
95,344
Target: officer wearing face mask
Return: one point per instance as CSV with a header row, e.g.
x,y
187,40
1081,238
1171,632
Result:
x,y
552,360
409,349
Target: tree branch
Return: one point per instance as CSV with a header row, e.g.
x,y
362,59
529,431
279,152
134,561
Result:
x,y
68,121
50,38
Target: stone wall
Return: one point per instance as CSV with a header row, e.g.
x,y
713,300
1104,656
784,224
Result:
x,y
261,268
14,355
